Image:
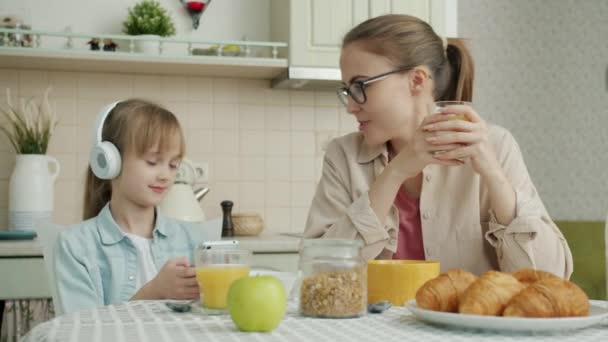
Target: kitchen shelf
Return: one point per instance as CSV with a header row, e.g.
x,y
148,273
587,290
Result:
x,y
71,59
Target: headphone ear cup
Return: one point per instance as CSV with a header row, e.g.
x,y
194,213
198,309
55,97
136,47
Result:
x,y
105,160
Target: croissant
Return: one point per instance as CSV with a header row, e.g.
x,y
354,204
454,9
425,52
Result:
x,y
529,276
489,294
443,292
550,297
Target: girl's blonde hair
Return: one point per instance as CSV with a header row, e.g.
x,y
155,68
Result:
x,y
136,126
408,41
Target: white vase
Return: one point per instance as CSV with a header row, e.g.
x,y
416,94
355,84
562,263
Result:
x,y
148,47
31,191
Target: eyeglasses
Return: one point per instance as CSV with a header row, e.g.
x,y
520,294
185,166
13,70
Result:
x,y
357,89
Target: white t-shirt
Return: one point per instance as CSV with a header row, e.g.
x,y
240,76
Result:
x,y
146,270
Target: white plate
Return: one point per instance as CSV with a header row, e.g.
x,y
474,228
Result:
x,y
596,315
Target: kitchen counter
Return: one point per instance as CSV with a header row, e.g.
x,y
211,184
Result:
x,y
24,261
268,243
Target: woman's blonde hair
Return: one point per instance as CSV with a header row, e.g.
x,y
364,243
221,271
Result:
x,y
408,41
136,126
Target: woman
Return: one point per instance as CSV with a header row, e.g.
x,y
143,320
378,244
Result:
x,y
413,184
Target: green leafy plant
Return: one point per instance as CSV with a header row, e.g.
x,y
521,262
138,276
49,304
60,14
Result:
x,y
29,127
149,17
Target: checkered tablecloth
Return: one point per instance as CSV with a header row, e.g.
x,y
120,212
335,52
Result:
x,y
153,321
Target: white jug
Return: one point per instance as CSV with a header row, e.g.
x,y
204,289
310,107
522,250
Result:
x,y
31,191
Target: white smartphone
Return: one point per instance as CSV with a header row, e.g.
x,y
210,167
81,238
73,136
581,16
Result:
x,y
222,244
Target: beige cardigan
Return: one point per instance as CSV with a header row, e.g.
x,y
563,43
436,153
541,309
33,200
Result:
x,y
458,227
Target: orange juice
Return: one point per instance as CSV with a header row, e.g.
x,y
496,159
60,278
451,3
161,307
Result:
x,y
459,117
215,280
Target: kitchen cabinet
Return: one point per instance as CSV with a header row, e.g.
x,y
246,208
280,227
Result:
x,y
23,277
315,28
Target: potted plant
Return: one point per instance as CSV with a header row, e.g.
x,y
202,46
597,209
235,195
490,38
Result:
x,y
150,20
28,128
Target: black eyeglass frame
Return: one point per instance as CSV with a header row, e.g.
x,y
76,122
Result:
x,y
344,92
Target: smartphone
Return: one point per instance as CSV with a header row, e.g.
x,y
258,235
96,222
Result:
x,y
222,244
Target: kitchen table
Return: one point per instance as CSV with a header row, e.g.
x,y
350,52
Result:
x,y
153,321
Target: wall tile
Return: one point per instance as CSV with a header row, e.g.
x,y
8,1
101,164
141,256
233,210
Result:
x,y
302,193
278,194
301,98
252,195
200,89
33,83
298,219
278,118
147,87
226,168
303,144
302,169
252,117
252,168
200,115
326,98
278,220
253,143
278,168
106,87
277,97
302,118
226,142
173,88
64,84
278,144
326,118
10,80
225,116
65,111
224,90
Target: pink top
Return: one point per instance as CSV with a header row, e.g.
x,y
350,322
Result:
x,y
410,245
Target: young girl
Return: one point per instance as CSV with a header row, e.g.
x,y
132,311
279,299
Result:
x,y
126,249
400,183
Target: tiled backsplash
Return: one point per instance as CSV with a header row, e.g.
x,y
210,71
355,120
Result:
x,y
264,146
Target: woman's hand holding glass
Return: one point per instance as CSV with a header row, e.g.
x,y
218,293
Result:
x,y
414,157
461,126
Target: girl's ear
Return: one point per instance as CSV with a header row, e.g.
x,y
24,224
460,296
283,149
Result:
x,y
419,80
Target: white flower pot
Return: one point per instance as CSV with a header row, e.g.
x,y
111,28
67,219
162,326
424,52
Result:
x,y
149,47
31,191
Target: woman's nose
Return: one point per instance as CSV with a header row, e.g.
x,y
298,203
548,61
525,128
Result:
x,y
352,106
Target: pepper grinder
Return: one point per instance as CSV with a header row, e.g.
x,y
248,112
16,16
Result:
x,y
227,226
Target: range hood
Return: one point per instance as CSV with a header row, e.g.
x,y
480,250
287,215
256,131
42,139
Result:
x,y
308,78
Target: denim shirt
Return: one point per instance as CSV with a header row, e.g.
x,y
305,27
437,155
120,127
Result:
x,y
96,263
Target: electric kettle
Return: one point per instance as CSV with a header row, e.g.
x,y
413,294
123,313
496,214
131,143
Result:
x,y
182,200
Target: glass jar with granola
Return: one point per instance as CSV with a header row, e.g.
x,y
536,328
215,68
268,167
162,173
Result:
x,y
333,279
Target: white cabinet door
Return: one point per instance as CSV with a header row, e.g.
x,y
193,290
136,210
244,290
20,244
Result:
x,y
317,26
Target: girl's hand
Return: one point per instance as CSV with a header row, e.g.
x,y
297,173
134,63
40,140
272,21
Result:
x,y
419,153
176,280
471,134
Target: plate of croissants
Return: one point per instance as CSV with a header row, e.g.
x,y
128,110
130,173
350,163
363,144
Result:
x,y
526,300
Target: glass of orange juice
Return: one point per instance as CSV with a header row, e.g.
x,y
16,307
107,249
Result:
x,y
442,104
216,269
436,107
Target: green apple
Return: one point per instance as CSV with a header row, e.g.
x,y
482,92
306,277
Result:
x,y
257,303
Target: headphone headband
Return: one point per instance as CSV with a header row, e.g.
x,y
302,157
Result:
x,y
101,118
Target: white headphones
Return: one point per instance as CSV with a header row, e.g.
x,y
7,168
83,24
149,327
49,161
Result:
x,y
105,158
